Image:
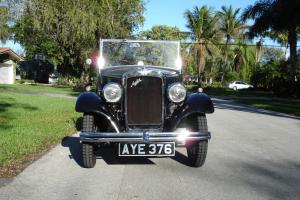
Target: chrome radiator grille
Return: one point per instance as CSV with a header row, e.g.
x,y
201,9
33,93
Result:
x,y
144,101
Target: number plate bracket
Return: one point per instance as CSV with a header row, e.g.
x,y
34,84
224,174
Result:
x,y
147,149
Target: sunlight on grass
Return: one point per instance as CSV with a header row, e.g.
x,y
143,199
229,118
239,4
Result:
x,y
240,93
288,106
40,88
30,123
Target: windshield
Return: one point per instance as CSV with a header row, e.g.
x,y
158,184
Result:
x,y
132,52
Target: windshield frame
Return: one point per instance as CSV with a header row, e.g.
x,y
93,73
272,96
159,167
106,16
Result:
x,y
176,42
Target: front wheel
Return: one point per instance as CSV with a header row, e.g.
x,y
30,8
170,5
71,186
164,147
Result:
x,y
197,150
197,153
88,150
88,155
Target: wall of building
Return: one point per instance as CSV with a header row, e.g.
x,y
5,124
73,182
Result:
x,y
7,73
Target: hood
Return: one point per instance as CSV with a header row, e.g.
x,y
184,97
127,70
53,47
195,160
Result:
x,y
135,70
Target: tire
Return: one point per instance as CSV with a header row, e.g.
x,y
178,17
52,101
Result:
x,y
235,88
88,149
197,151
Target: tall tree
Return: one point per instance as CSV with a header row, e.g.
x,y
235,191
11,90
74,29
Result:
x,y
164,32
281,38
277,15
66,31
232,26
202,23
4,28
240,56
271,54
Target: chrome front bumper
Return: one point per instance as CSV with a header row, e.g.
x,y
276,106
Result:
x,y
178,137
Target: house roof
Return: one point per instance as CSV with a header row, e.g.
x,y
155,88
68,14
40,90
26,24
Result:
x,y
8,54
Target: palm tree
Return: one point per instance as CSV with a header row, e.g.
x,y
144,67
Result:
x,y
4,29
240,57
202,23
278,16
232,26
281,38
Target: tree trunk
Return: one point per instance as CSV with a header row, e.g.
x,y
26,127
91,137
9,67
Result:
x,y
201,61
198,60
292,36
198,78
286,48
225,60
258,52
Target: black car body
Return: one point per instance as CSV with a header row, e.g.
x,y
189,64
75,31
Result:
x,y
143,107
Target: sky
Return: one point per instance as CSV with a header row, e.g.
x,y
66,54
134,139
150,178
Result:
x,y
170,12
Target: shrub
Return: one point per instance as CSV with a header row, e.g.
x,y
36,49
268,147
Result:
x,y
216,84
286,88
231,76
22,81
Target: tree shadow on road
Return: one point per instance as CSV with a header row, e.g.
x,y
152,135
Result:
x,y
280,180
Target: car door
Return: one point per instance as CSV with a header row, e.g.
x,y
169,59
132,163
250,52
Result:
x,y
238,85
244,85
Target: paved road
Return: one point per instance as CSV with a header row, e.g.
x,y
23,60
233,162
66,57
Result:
x,y
253,155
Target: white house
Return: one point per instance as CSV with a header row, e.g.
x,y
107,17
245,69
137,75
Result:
x,y
8,58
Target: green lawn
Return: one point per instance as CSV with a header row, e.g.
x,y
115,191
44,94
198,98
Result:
x,y
288,106
30,124
239,93
40,88
285,106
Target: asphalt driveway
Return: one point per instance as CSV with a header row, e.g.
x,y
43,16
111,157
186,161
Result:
x,y
253,154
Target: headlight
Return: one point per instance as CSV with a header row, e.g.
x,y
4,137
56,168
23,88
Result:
x,y
177,93
112,92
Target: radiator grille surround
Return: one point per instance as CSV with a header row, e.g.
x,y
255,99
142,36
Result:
x,y
144,102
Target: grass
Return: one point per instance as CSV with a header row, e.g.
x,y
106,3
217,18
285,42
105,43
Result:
x,y
291,107
239,93
40,88
30,124
287,106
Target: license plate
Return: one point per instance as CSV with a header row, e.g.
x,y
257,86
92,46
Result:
x,y
147,149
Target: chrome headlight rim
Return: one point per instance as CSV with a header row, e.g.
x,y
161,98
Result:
x,y
106,87
170,97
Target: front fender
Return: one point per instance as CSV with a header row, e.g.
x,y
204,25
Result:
x,y
88,102
196,103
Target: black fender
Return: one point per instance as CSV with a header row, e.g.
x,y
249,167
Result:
x,y
90,102
195,104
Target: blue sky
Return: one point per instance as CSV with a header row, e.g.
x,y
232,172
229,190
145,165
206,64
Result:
x,y
15,46
170,12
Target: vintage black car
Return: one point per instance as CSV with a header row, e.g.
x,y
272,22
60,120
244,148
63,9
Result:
x,y
141,105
